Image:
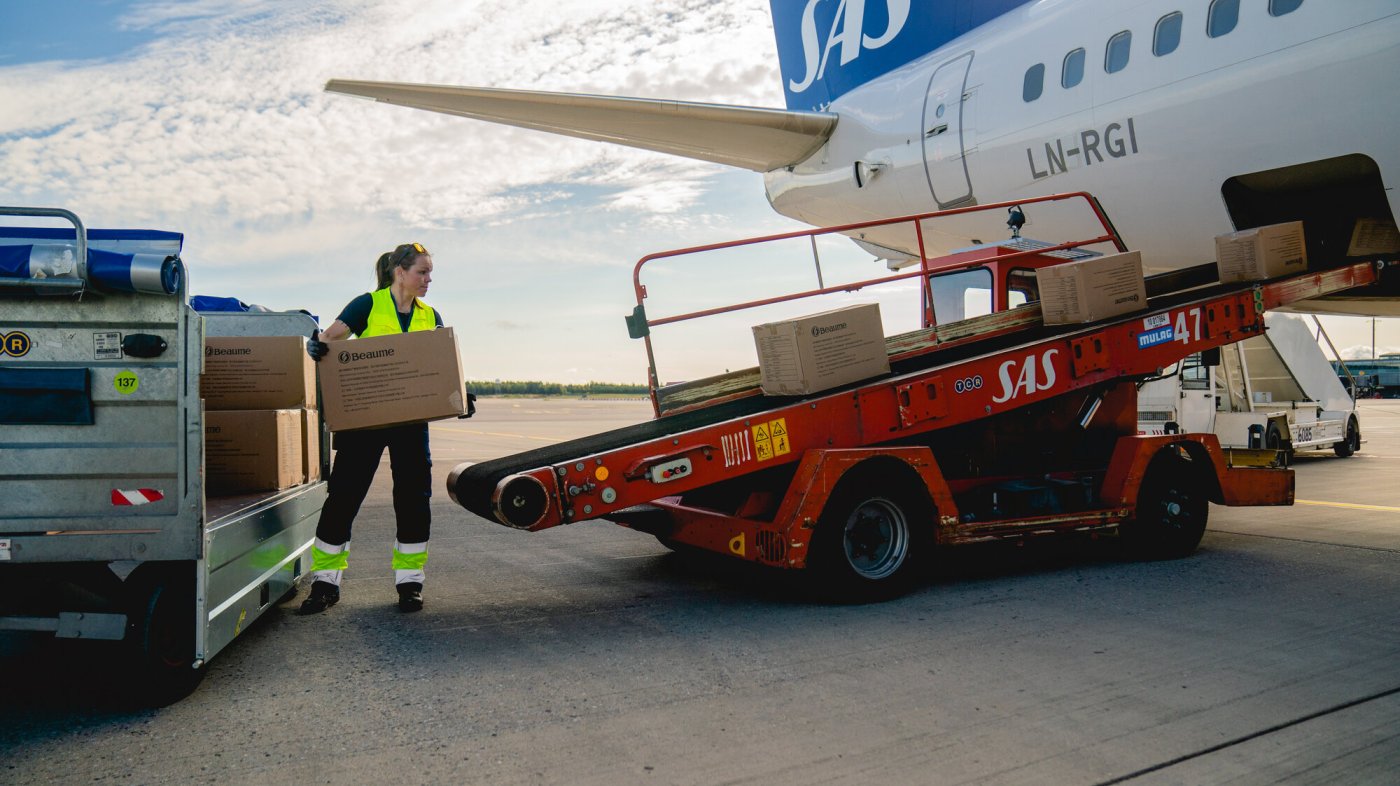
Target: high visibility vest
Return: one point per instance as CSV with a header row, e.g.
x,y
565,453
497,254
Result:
x,y
384,317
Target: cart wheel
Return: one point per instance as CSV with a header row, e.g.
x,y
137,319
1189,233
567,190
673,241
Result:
x,y
870,539
1352,443
1273,440
160,635
1172,508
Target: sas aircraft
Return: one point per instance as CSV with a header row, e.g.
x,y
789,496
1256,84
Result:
x,y
1186,118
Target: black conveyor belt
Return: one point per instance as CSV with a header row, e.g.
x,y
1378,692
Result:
x,y
472,486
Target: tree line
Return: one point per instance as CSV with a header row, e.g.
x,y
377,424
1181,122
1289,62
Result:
x,y
513,387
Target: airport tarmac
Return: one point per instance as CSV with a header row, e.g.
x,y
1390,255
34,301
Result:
x,y
590,654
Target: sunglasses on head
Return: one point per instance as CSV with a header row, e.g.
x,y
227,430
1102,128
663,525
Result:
x,y
405,251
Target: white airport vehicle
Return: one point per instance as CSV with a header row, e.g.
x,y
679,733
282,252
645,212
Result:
x,y
1276,390
108,531
1170,111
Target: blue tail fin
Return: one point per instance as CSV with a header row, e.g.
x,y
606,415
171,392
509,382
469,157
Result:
x,y
828,47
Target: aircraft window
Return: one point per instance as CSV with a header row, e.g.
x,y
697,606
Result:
x,y
1034,84
1224,15
1073,71
961,295
1116,58
1167,35
1281,7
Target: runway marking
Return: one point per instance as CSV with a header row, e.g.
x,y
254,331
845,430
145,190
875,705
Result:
x,y
1352,506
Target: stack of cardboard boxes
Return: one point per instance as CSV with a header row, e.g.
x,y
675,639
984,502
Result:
x,y
261,428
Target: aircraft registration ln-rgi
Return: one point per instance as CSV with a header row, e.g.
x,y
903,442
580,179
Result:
x,y
1187,118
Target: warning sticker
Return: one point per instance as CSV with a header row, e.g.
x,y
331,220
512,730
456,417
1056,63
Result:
x,y
107,346
771,439
778,428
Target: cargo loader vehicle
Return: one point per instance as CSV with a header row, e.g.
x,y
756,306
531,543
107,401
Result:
x,y
990,427
109,530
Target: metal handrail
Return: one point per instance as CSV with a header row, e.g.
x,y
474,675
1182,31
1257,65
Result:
x,y
79,233
640,325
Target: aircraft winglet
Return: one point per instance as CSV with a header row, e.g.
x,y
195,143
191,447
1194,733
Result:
x,y
749,137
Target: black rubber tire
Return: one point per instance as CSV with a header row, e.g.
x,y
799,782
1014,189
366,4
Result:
x,y
1273,440
1172,508
872,539
160,635
1352,442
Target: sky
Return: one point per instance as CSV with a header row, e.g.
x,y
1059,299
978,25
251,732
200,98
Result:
x,y
208,118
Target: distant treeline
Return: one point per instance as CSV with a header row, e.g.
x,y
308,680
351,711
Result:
x,y
535,388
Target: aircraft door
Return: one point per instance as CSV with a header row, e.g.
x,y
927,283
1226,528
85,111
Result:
x,y
944,162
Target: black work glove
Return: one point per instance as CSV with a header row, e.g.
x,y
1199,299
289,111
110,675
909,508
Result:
x,y
471,407
315,347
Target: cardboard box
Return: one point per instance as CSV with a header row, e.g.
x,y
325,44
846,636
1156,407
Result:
x,y
252,450
1261,253
263,372
821,351
310,445
1374,236
388,380
1091,289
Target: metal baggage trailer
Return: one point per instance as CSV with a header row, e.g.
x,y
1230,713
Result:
x,y
106,530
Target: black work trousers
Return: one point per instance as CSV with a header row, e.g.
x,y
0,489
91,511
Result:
x,y
357,455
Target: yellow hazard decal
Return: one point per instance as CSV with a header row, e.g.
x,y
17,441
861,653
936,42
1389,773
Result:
x,y
771,439
736,544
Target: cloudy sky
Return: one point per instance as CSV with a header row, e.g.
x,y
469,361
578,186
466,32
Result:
x,y
207,117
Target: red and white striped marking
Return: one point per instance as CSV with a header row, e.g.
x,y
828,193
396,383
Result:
x,y
135,496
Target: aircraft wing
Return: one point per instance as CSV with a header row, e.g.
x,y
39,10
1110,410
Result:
x,y
748,137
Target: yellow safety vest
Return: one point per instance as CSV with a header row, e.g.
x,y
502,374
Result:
x,y
384,317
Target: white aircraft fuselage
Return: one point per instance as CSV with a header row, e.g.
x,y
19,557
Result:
x,y
1275,120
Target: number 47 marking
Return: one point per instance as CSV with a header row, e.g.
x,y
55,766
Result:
x,y
1184,334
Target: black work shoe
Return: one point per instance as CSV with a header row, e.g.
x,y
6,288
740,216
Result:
x,y
410,596
323,595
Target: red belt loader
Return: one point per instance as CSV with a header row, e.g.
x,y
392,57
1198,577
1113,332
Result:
x,y
994,427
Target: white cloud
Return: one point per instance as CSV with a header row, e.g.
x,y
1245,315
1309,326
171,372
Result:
x,y
219,128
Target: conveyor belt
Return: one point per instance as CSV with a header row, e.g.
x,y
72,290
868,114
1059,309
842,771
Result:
x,y
472,486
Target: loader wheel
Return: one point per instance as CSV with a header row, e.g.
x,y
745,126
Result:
x,y
1273,440
160,636
869,541
1352,443
1172,508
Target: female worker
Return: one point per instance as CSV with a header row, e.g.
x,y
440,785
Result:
x,y
395,307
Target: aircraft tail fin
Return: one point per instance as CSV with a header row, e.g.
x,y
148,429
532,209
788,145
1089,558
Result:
x,y
749,137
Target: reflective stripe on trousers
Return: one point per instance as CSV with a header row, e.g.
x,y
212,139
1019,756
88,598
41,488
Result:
x,y
329,562
409,559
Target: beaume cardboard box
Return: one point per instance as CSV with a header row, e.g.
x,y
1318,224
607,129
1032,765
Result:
x,y
821,351
252,450
1261,253
1371,236
262,372
310,445
394,379
1091,289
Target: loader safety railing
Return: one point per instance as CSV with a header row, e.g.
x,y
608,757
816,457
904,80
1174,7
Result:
x,y
639,325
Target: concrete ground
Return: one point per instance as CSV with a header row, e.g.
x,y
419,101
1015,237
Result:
x,y
590,654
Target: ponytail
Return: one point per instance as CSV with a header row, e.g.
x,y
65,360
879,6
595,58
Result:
x,y
384,270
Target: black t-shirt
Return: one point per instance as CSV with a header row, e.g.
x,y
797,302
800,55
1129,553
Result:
x,y
355,315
